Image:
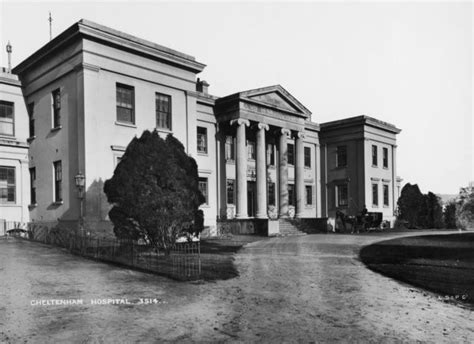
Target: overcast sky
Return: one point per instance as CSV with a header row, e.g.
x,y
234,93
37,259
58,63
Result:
x,y
407,63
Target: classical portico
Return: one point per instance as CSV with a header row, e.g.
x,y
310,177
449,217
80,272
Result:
x,y
260,126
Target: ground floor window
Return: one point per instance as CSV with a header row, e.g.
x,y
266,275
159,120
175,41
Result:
x,y
230,191
375,194
271,193
58,178
32,185
309,194
385,195
7,184
203,187
342,195
291,194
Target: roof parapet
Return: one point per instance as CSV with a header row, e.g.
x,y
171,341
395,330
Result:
x,y
112,37
358,120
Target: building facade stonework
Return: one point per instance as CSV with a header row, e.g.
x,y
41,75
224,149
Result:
x,y
260,156
15,193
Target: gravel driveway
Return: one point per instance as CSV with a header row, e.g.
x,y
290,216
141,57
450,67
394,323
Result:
x,y
295,289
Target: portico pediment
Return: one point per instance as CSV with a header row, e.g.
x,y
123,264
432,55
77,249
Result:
x,y
276,97
272,105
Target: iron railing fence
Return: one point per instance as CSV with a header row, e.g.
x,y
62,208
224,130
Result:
x,y
181,261
7,227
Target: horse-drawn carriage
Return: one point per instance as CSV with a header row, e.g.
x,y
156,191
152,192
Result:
x,y
359,223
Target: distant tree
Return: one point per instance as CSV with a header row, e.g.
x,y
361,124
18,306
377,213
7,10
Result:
x,y
155,191
449,215
465,208
432,211
412,207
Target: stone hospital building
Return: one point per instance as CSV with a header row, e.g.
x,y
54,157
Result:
x,y
75,104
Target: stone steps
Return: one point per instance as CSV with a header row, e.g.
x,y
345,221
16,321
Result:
x,y
289,228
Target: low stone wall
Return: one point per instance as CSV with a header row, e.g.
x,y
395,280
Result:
x,y
242,226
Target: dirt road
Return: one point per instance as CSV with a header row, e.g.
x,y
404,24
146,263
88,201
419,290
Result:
x,y
298,289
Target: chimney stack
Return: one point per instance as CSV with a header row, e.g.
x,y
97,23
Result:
x,y
202,86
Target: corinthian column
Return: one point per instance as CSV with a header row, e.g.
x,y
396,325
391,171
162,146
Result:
x,y
283,180
241,168
261,212
300,191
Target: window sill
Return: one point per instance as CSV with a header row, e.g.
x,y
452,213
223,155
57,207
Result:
x,y
385,168
230,161
307,167
58,203
202,153
31,206
124,124
340,167
375,206
9,204
8,137
204,206
57,128
30,139
164,130
374,166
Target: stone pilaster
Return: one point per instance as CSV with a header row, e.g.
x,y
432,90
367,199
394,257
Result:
x,y
299,174
261,209
283,175
241,168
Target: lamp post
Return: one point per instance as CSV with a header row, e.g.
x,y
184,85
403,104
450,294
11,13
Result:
x,y
80,181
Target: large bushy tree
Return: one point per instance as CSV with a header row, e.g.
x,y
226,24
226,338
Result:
x,y
449,215
411,206
433,211
155,191
465,208
418,210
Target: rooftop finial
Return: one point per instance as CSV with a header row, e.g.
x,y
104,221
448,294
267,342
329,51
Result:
x,y
50,27
9,51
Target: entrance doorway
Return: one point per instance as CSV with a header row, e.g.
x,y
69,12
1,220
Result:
x,y
251,198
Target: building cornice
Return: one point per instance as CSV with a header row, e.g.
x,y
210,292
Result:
x,y
359,120
113,38
206,99
311,126
13,143
9,81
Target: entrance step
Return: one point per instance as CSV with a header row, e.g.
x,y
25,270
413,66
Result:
x,y
290,227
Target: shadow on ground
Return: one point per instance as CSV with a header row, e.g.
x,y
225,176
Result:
x,y
440,263
217,257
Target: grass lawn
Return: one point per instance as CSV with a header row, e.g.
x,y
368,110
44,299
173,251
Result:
x,y
440,263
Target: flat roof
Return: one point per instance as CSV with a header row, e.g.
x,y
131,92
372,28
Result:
x,y
360,120
118,39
